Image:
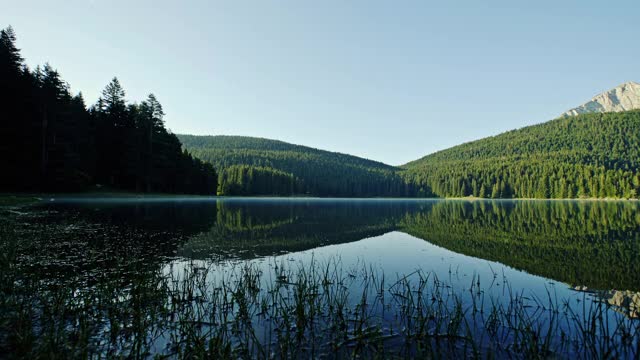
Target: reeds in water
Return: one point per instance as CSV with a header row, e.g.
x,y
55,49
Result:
x,y
319,309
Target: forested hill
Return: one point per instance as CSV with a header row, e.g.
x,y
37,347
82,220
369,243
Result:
x,y
247,143
246,165
589,155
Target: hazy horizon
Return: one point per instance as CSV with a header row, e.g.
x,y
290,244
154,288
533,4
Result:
x,y
377,80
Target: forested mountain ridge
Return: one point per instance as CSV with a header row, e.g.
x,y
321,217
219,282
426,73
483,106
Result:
x,y
310,171
584,156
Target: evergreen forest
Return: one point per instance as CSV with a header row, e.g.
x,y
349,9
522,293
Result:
x,y
585,156
54,142
293,169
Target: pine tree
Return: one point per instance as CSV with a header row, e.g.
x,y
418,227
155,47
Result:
x,y
11,62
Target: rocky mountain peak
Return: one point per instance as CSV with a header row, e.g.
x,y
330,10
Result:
x,y
621,98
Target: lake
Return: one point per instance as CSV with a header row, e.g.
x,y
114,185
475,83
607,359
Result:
x,y
302,277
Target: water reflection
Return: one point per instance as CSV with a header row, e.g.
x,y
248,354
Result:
x,y
129,268
591,245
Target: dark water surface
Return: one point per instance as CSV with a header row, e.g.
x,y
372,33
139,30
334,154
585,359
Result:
x,y
566,252
592,244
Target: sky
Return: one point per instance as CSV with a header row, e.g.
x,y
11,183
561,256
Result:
x,y
386,80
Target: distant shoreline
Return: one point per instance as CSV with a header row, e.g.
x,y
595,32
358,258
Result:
x,y
18,199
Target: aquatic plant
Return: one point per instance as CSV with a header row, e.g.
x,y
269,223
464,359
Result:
x,y
293,310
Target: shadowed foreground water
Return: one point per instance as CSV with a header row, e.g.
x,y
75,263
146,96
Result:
x,y
119,277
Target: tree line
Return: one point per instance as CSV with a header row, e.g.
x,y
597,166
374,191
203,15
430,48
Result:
x,y
54,142
247,180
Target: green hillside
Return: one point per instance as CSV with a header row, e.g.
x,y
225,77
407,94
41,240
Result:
x,y
255,166
585,156
590,156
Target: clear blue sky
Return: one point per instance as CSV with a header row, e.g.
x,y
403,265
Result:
x,y
386,80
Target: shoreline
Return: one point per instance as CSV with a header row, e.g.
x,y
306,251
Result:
x,y
22,199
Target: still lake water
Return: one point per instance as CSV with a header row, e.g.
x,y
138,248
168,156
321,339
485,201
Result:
x,y
567,252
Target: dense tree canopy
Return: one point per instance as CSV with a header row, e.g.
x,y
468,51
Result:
x,y
254,180
52,142
313,172
585,156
